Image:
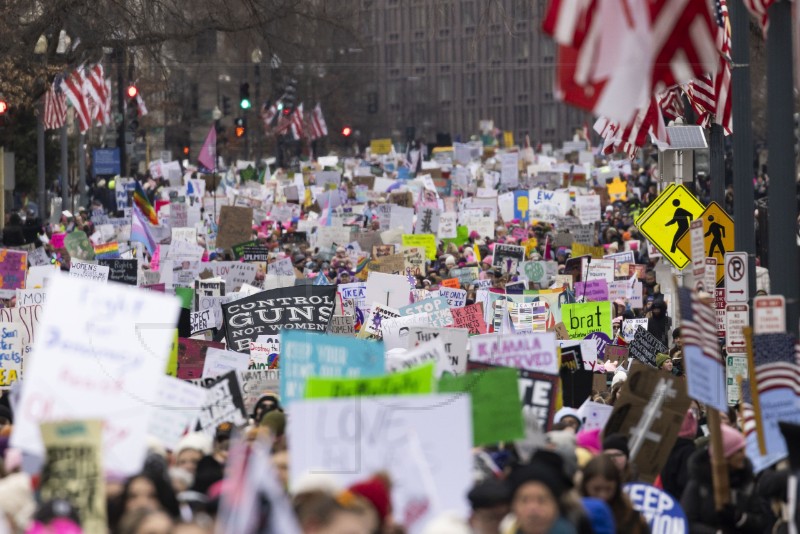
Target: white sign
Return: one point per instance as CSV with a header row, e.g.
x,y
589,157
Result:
x,y
456,298
736,286
737,316
88,271
456,344
698,247
599,270
219,361
178,405
588,207
769,314
98,355
447,226
429,462
710,274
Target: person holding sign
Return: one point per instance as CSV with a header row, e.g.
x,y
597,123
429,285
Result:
x,y
602,480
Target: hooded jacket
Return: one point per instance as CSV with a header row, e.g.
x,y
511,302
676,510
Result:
x,y
749,513
675,475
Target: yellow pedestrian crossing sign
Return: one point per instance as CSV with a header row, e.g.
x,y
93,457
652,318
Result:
x,y
667,219
717,237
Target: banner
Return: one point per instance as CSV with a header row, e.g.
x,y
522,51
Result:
x,y
224,404
122,271
416,381
269,312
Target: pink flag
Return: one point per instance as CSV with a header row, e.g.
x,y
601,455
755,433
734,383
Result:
x,y
208,154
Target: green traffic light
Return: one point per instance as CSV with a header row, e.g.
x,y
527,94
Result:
x,y
244,104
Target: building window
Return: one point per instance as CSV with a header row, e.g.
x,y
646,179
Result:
x,y
496,84
520,82
419,17
469,85
392,20
445,89
392,92
549,116
547,84
444,14
392,56
444,50
468,14
521,9
548,49
523,49
420,57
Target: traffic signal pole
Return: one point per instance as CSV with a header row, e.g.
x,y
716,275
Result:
x,y
783,261
121,142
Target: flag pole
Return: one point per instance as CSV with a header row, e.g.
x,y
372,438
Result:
x,y
751,374
719,466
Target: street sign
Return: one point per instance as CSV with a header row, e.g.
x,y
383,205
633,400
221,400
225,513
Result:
x,y
717,235
105,161
710,274
664,223
698,247
735,366
769,314
737,316
736,289
719,308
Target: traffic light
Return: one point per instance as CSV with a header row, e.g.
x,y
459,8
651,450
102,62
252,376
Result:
x,y
132,112
240,127
3,106
186,150
132,91
347,131
244,96
289,96
226,106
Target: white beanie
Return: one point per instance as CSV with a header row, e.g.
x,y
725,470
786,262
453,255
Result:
x,y
447,523
619,376
197,441
566,411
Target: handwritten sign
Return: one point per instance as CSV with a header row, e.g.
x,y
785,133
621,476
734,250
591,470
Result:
x,y
224,403
471,318
13,269
594,291
11,354
426,241
178,404
645,346
88,271
629,327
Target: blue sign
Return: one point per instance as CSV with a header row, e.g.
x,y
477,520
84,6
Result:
x,y
305,354
521,205
662,512
105,161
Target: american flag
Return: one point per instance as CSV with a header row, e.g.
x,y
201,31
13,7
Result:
x,y
671,103
698,324
710,95
95,87
758,8
776,361
55,106
627,138
297,123
318,128
268,114
73,87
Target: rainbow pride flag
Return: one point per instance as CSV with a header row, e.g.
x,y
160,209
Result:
x,y
107,251
140,199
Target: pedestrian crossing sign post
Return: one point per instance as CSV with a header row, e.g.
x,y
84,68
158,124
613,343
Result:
x,y
717,237
667,220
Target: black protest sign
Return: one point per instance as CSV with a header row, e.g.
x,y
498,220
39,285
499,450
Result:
x,y
576,386
255,253
268,312
224,404
507,258
645,346
649,411
122,271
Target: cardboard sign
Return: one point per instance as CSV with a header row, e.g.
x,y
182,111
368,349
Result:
x,y
471,318
629,327
13,270
224,403
256,384
192,357
79,246
269,312
508,258
88,271
179,402
650,437
426,241
307,354
94,359
586,318
121,271
73,470
415,381
12,353
645,346
389,433
219,362
496,413
235,226
532,352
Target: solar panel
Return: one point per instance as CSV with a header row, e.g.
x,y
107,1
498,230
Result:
x,y
686,138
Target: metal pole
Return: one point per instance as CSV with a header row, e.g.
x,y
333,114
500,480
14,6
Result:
x,y
82,170
743,194
40,170
121,141
782,171
717,152
64,169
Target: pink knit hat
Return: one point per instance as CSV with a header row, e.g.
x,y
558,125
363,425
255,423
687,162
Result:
x,y
589,440
689,426
732,441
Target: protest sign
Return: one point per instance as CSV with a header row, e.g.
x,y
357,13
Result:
x,y
594,415
281,267
374,321
187,235
427,221
11,354
95,359
390,290
256,384
121,271
219,362
263,356
616,353
452,283
507,258
395,330
29,297
268,312
629,327
430,351
538,395
307,354
471,318
533,352
342,324
583,319
13,269
426,241
447,226
594,291
588,208
456,345
650,410
88,271
645,346
425,306
201,321
496,408
415,381
235,226
78,245
661,510
179,403
73,470
256,253
388,432
192,357
223,404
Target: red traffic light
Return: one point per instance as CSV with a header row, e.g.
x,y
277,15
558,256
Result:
x,y
132,91
186,151
3,107
346,131
239,131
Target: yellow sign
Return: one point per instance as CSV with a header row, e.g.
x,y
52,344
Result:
x,y
585,250
617,190
718,237
380,146
508,139
426,241
665,222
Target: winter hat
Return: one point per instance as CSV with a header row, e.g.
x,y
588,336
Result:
x,y
689,426
661,358
616,441
619,376
600,515
732,441
376,491
546,467
275,421
474,235
449,261
589,440
488,493
447,523
566,412
195,440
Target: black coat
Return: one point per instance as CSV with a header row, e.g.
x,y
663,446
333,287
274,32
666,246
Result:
x,y
698,499
675,475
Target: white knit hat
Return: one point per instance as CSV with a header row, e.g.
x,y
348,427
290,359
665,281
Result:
x,y
197,441
619,376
